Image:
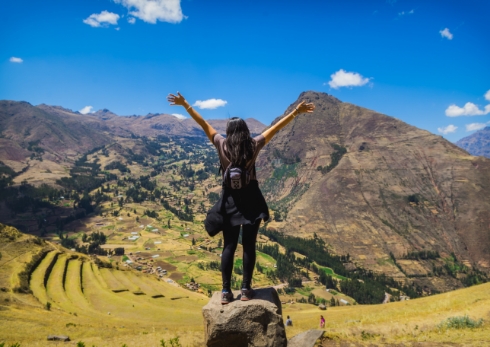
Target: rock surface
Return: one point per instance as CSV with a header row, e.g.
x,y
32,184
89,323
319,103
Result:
x,y
63,338
306,339
254,323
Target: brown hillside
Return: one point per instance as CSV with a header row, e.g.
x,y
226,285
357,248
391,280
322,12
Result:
x,y
397,189
55,131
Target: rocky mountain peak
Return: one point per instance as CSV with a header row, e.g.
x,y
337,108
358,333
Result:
x,y
477,143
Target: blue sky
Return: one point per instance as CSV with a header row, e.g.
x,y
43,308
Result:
x,y
424,62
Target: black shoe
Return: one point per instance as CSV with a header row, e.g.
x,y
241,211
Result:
x,y
247,294
226,297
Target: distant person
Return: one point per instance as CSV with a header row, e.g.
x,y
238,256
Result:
x,y
241,201
322,322
289,322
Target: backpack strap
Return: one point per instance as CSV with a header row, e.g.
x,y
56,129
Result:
x,y
226,174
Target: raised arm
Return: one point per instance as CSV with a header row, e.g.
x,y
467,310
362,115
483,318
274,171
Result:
x,y
301,108
179,100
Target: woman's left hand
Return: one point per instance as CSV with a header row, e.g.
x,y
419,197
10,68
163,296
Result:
x,y
176,100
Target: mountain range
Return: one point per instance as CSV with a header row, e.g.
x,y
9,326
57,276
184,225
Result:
x,y
59,135
370,185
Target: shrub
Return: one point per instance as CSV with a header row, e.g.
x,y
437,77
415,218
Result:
x,y
460,322
213,197
172,343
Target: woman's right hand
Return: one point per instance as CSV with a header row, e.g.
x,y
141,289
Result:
x,y
305,108
176,99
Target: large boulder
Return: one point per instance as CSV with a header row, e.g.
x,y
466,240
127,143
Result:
x,y
254,323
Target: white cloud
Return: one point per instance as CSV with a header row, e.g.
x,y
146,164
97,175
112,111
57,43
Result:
x,y
179,116
343,78
403,13
210,104
86,110
446,130
475,126
469,109
151,11
487,95
100,19
446,33
19,60
131,20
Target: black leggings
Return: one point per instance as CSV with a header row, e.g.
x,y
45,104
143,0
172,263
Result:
x,y
249,239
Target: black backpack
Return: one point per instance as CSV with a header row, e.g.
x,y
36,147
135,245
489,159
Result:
x,y
236,177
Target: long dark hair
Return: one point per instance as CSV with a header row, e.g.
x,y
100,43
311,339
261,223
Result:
x,y
240,146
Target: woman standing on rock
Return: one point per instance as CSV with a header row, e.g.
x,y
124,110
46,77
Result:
x,y
241,202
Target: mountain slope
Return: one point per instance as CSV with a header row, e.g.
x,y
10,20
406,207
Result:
x,y
54,130
397,189
477,143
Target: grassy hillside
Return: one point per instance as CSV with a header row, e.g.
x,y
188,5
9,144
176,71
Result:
x,y
101,306
404,322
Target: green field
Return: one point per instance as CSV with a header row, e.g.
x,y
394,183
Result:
x,y
330,272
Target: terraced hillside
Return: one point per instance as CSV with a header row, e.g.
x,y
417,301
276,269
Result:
x,y
74,283
108,307
47,289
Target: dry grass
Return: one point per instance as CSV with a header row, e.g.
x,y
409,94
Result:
x,y
83,296
414,320
88,310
